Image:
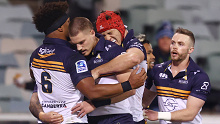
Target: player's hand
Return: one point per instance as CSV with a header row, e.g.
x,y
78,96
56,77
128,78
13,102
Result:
x,y
51,117
137,80
150,115
84,108
95,74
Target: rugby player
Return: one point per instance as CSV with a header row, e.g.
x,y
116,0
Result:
x,y
181,85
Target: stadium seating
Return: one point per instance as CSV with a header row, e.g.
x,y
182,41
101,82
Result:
x,y
184,4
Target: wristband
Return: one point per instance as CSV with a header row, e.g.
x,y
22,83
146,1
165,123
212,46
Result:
x,y
164,116
98,103
126,86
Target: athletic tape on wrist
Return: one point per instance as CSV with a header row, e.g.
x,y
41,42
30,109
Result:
x,y
101,102
164,116
126,86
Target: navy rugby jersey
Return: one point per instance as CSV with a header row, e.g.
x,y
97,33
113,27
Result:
x,y
103,52
57,50
132,42
193,81
173,92
57,70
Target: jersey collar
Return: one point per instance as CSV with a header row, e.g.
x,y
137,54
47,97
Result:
x,y
128,37
192,67
100,45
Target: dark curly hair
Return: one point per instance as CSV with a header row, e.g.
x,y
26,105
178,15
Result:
x,y
48,14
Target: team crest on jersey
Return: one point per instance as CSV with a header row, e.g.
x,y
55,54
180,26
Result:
x,y
184,80
170,104
98,59
81,66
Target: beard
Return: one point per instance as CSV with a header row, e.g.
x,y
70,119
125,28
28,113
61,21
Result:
x,y
179,57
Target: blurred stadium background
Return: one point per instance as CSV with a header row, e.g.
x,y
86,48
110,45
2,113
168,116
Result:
x,y
18,39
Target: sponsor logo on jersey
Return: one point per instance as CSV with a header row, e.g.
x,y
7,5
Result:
x,y
98,59
44,52
183,81
53,104
170,104
205,85
81,66
163,76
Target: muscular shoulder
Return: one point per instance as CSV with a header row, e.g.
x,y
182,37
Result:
x,y
111,47
201,76
135,43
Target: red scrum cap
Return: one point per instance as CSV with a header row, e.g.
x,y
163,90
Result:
x,y
110,20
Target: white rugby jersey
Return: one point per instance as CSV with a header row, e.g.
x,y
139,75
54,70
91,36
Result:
x,y
136,100
57,69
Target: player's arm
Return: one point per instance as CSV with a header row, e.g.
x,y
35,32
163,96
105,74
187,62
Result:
x,y
148,97
31,74
37,111
35,106
194,104
121,77
199,92
150,91
88,106
132,57
192,108
105,91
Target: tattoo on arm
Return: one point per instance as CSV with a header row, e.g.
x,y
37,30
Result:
x,y
35,106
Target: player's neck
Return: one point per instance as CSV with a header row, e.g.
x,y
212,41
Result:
x,y
126,32
57,35
178,66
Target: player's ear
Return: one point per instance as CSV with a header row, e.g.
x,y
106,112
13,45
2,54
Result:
x,y
191,50
92,32
60,29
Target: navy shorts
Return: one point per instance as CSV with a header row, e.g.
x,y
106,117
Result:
x,y
140,122
111,119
